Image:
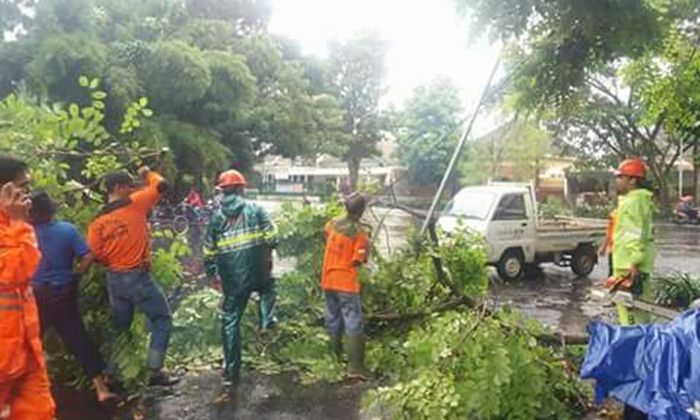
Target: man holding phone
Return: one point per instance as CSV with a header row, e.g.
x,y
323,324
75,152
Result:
x,y
24,382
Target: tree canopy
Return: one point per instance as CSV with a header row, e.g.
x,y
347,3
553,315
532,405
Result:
x,y
605,88
427,130
216,79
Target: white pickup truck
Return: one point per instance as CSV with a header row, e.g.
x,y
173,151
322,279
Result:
x,y
506,215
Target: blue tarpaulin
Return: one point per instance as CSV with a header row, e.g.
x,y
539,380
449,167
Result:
x,y
654,368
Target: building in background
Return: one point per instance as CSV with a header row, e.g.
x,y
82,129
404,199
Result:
x,y
322,177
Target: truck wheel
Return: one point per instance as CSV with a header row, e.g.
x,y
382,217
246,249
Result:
x,y
583,260
511,266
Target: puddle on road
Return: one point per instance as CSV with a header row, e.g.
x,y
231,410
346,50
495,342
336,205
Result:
x,y
559,299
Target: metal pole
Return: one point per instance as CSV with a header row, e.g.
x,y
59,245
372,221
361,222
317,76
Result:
x,y
460,146
680,173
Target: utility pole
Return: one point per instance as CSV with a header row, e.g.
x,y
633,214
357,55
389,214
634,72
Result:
x,y
460,146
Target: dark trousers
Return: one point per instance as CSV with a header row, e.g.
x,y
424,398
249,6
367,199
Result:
x,y
235,301
58,309
132,290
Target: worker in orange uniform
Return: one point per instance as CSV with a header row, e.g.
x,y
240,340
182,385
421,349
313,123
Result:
x,y
119,239
347,248
24,382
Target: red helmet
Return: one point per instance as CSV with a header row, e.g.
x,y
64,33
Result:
x,y
633,168
230,178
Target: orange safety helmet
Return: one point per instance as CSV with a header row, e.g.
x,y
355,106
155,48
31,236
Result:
x,y
633,168
230,178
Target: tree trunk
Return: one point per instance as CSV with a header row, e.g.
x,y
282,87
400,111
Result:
x,y
354,168
664,197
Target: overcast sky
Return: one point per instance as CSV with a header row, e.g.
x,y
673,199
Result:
x,y
426,39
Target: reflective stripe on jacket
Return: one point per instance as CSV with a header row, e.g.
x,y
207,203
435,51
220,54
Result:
x,y
238,241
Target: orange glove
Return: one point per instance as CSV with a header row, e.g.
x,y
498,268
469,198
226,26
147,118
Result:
x,y
619,283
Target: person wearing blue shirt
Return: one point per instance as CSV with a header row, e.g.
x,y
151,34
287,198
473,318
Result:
x,y
55,286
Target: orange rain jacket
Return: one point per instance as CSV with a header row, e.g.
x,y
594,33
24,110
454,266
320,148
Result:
x,y
20,338
119,235
347,247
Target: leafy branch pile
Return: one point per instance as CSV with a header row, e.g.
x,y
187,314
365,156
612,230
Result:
x,y
467,365
437,357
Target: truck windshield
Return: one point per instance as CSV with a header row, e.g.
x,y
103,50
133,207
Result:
x,y
471,205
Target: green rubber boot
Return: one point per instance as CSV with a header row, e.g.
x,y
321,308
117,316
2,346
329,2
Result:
x,y
356,358
337,345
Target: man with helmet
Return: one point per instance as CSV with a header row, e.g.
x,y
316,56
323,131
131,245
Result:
x,y
238,247
633,252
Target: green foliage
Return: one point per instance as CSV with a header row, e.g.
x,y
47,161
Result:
x,y
512,152
204,156
356,74
427,131
177,75
68,150
301,235
448,365
463,365
594,211
60,61
560,42
196,335
608,90
207,63
553,207
677,290
452,365
408,283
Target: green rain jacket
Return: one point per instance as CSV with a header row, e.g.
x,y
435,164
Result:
x,y
633,243
238,243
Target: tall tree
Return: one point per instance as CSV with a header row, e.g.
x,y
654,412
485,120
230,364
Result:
x,y
557,42
289,117
650,111
608,89
427,130
356,75
216,79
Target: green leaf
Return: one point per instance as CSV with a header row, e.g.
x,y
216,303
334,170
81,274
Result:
x,y
147,112
94,83
74,111
99,95
98,105
143,102
84,82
